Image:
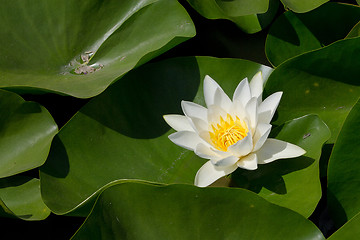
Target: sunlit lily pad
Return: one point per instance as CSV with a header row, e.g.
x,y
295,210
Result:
x,y
26,132
79,48
344,170
20,197
123,211
323,82
293,34
302,6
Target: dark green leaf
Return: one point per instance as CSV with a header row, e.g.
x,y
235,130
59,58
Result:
x,y
57,45
349,231
323,82
293,34
20,196
182,212
355,31
26,132
344,170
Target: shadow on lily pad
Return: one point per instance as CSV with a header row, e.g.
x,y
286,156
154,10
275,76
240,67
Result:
x,y
269,176
135,105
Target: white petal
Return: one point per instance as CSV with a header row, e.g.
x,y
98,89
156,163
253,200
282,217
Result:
x,y
242,92
251,109
213,93
261,134
186,139
208,174
178,122
242,147
222,100
274,149
204,151
249,162
268,107
224,162
210,87
256,86
191,109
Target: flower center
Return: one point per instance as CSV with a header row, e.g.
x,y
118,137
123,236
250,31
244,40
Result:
x,y
227,132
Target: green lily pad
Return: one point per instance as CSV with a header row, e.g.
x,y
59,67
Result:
x,y
293,34
220,8
323,82
20,196
291,183
301,6
344,170
250,16
123,212
349,231
26,132
79,48
121,133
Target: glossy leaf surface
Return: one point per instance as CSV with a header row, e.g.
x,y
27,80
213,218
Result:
x,y
302,6
323,82
123,212
26,132
121,133
344,170
291,183
20,196
56,46
293,34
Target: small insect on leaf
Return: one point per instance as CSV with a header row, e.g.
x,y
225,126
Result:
x,y
306,135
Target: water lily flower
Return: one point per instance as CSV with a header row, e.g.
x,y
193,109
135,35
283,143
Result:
x,y
230,133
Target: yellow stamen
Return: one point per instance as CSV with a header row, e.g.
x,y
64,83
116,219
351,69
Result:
x,y
227,132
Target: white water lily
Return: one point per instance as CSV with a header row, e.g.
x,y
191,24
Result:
x,y
230,133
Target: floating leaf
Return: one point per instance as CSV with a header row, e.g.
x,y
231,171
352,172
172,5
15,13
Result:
x,y
323,82
20,196
344,170
79,48
121,133
293,34
250,16
302,6
26,132
123,211
291,183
